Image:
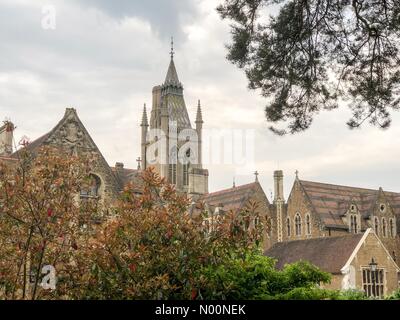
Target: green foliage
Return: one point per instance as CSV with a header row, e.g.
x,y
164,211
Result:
x,y
394,296
352,294
255,277
312,54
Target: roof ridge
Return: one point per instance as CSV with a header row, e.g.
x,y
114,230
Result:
x,y
353,235
342,186
231,189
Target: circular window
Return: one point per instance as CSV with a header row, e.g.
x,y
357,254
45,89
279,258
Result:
x,y
353,208
383,208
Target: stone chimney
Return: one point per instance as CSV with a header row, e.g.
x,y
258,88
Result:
x,y
119,165
278,186
6,138
279,202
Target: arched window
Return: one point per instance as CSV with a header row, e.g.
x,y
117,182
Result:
x,y
353,224
297,222
384,227
91,189
288,226
308,223
392,228
376,223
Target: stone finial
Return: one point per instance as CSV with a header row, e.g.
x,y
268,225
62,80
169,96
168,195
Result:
x,y
172,53
145,122
199,116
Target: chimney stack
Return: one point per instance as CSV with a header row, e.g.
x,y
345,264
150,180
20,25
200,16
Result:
x,y
6,138
278,186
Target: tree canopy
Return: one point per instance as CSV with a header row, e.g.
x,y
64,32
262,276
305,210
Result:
x,y
313,55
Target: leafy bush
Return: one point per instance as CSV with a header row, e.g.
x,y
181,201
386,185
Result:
x,y
394,296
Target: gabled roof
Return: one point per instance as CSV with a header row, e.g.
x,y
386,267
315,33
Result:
x,y
331,202
330,254
53,138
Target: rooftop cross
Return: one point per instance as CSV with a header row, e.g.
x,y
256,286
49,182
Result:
x,y
138,160
256,174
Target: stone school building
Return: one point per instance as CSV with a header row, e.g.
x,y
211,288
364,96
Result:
x,y
350,232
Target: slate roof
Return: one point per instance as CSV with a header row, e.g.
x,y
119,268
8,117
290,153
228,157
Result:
x,y
172,76
329,254
232,199
32,147
125,176
331,202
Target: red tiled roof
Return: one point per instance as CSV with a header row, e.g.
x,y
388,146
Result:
x,y
330,254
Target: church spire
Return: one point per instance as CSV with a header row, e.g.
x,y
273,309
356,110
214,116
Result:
x,y
145,122
172,75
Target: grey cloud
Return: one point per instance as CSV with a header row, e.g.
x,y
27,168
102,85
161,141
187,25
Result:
x,y
165,16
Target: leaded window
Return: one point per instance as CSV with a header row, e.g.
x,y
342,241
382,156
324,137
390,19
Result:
x,y
297,222
373,282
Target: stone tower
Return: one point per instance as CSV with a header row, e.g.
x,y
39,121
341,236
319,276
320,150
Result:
x,y
169,143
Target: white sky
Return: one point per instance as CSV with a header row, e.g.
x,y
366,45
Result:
x,y
104,59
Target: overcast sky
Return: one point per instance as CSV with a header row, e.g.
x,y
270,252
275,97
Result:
x,y
105,56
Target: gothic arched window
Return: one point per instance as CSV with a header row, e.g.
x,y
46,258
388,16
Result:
x,y
384,227
288,226
376,223
186,167
353,224
297,222
392,229
308,223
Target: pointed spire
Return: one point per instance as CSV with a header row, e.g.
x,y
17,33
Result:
x,y
144,123
199,116
297,174
172,75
